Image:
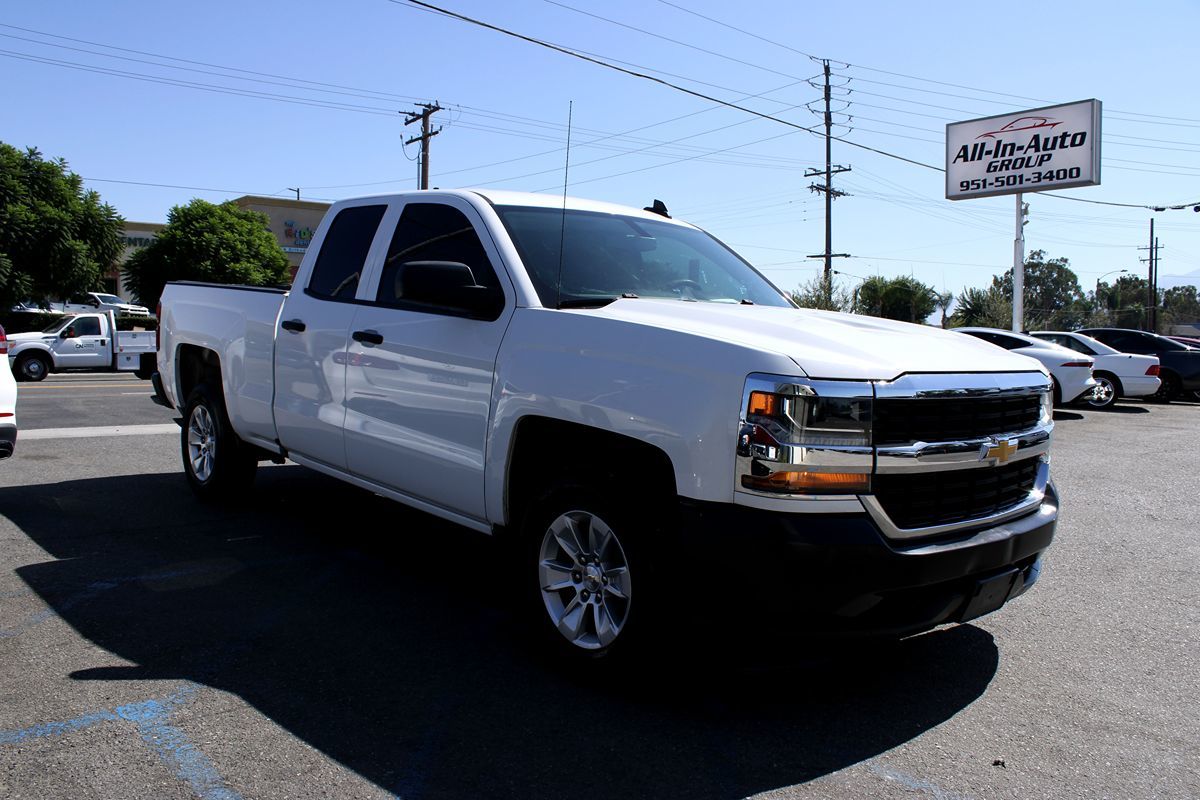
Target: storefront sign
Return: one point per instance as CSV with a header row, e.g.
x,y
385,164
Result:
x,y
1056,147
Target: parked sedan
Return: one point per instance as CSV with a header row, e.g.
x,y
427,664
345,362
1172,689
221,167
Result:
x,y
1179,366
1070,371
8,402
1117,374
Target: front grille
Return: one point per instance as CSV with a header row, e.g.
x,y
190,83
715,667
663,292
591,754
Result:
x,y
923,499
902,421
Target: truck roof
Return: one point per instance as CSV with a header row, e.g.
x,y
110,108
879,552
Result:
x,y
508,198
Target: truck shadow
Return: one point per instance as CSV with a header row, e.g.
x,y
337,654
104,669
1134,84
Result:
x,y
382,637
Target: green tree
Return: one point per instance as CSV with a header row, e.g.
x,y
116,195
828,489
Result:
x,y
1125,301
982,308
203,241
56,237
816,293
1180,304
943,300
1052,294
902,298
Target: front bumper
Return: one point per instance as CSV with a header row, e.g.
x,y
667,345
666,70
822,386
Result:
x,y
837,576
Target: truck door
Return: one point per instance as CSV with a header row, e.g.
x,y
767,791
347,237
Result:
x,y
84,343
421,362
310,346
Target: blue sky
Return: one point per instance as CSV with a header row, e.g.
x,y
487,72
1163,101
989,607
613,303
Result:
x,y
259,115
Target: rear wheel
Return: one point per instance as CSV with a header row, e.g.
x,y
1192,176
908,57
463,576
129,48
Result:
x,y
147,366
218,465
32,367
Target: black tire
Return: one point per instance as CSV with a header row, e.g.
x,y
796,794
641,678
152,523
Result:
x,y
218,465
147,366
1168,390
1107,391
607,589
32,367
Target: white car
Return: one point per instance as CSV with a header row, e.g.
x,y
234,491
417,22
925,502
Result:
x,y
1071,371
1118,374
8,402
101,301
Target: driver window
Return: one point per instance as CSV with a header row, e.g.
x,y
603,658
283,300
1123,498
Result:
x,y
433,232
84,326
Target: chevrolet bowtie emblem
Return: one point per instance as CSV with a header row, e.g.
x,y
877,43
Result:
x,y
1002,450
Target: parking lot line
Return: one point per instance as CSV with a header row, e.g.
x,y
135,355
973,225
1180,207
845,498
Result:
x,y
90,433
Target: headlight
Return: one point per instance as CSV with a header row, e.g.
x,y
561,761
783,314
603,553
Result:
x,y
1047,407
805,437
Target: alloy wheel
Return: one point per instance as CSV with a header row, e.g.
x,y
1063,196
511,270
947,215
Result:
x,y
584,579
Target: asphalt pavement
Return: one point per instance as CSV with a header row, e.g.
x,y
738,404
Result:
x,y
319,641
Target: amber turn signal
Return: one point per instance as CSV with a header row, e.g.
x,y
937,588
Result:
x,y
809,482
764,404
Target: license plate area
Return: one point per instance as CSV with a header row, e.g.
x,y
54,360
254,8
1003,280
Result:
x,y
989,595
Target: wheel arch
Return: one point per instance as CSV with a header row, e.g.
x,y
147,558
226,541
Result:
x,y
545,449
195,365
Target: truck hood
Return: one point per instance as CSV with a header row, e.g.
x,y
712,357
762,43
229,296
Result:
x,y
826,344
32,336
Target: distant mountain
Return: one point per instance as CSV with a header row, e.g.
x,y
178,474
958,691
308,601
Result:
x,y
1187,279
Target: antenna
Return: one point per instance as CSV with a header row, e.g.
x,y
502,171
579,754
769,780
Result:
x,y
562,231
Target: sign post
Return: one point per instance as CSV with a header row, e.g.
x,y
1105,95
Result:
x,y
1056,147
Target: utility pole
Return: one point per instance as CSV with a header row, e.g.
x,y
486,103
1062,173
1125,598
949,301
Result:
x,y
1151,280
1018,282
428,110
295,189
827,189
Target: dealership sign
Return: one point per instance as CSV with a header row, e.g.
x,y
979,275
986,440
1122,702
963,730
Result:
x,y
1056,147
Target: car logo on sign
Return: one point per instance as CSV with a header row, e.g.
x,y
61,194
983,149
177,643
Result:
x,y
1002,450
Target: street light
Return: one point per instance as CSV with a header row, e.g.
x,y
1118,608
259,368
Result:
x,y
1098,280
861,281
1102,277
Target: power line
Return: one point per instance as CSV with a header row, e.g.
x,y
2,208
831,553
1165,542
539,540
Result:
x,y
213,88
597,61
669,39
740,30
195,188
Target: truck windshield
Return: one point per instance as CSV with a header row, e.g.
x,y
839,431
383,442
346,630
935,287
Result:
x,y
57,325
606,256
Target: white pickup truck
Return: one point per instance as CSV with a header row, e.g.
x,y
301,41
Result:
x,y
81,342
654,426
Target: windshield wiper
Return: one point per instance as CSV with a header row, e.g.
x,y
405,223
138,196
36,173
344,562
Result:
x,y
595,302
586,302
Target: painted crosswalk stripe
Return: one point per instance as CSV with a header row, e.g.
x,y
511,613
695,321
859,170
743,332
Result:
x,y
90,433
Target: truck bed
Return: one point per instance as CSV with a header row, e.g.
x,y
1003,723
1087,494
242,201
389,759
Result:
x,y
238,321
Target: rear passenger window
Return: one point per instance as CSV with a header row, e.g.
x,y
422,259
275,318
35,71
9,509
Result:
x,y
433,232
344,252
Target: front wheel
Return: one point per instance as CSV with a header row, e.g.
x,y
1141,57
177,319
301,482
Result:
x,y
217,464
586,564
1105,393
1168,389
32,367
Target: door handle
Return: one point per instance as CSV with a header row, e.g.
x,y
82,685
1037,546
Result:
x,y
367,337
293,325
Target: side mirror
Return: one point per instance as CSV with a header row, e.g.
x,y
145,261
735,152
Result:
x,y
449,284
69,333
